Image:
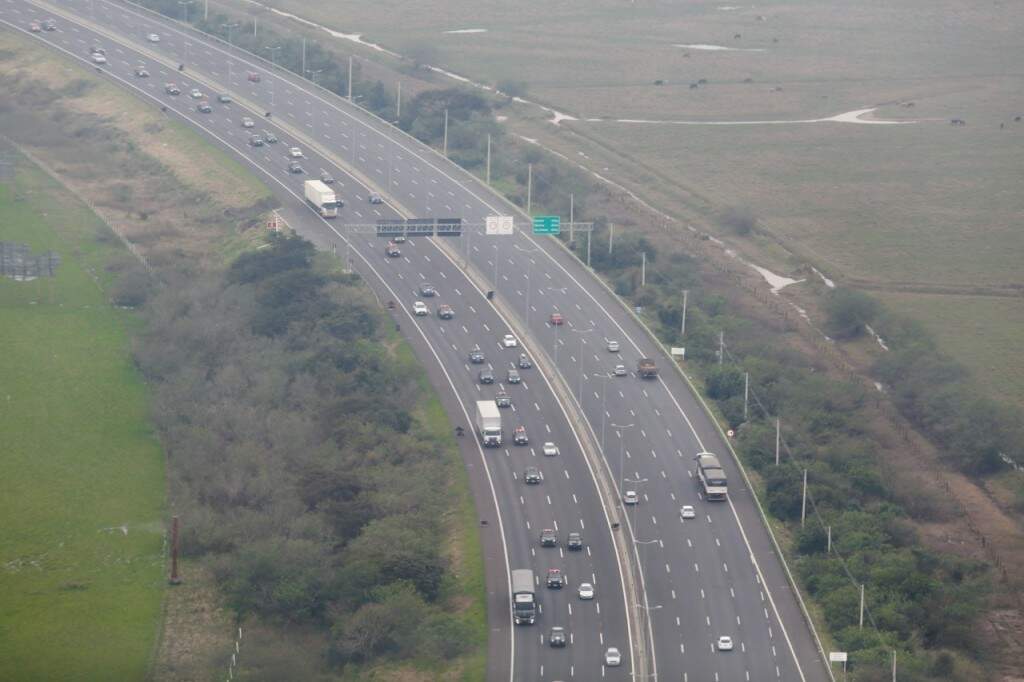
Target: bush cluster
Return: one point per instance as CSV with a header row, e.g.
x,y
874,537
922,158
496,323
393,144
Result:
x,y
299,469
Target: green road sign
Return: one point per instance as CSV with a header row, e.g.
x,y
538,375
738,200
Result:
x,y
546,224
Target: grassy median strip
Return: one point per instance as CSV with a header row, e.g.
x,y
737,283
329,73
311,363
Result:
x,y
82,489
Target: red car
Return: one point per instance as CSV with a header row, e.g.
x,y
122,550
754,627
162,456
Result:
x,y
556,318
519,436
253,77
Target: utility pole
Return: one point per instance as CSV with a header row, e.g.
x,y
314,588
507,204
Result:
x,y
303,56
590,233
893,665
488,158
398,104
445,143
611,237
643,269
314,73
350,84
778,439
572,218
803,504
682,328
175,578
255,25
861,626
721,347
829,549
184,5
206,10
746,393
529,188
273,61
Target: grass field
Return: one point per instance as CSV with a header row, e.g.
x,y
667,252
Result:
x,y
893,206
82,490
980,331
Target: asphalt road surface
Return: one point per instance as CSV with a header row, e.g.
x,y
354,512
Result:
x,y
713,575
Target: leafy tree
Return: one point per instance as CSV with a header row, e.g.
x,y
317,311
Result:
x,y
848,312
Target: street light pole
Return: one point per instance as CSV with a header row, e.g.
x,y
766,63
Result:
x,y
273,60
184,6
581,332
622,448
604,391
229,27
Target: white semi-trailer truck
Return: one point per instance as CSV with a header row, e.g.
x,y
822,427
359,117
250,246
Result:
x,y
322,198
488,423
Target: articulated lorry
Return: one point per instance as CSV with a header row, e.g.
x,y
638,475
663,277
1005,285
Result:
x,y
524,599
322,198
488,423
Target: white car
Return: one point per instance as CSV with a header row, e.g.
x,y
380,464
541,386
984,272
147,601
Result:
x,y
550,449
97,58
613,346
420,309
247,122
630,497
612,657
687,512
586,591
725,643
153,37
295,153
195,93
509,341
620,371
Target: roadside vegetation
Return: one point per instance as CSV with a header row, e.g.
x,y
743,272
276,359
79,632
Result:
x,y
320,491
82,491
310,480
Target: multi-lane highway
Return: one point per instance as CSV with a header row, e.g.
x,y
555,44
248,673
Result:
x,y
716,574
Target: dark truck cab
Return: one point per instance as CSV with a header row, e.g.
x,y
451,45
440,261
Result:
x,y
646,369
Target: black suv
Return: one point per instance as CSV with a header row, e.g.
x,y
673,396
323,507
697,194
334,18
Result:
x,y
556,580
548,538
574,542
556,638
531,475
427,290
486,376
476,356
503,399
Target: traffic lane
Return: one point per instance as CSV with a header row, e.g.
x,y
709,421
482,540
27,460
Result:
x,y
510,484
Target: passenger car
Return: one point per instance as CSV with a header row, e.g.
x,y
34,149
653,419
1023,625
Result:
x,y
295,153
153,37
613,346
204,107
550,449
503,399
247,122
524,361
687,512
555,579
532,475
725,643
295,167
512,377
548,538
445,311
392,250
420,308
585,591
485,376
256,140
519,436
476,356
326,178
376,198
556,638
509,341
427,290
612,657
172,89
620,371
574,542
630,497
556,319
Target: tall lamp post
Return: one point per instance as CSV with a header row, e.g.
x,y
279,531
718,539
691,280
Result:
x,y
581,332
622,448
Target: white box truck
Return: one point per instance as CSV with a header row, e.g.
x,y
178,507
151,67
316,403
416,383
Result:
x,y
322,198
524,599
488,423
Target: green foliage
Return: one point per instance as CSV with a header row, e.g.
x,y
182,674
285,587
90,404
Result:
x,y
512,88
307,482
739,220
724,382
848,312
